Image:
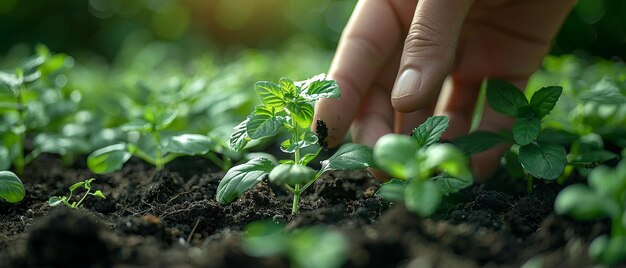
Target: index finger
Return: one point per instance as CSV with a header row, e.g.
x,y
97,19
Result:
x,y
373,32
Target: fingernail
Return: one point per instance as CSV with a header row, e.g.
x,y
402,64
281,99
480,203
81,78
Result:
x,y
408,84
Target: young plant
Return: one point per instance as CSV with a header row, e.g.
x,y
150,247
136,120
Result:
x,y
287,105
412,162
538,158
605,196
308,247
11,187
151,145
65,200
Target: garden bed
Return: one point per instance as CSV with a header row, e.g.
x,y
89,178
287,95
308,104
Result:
x,y
170,218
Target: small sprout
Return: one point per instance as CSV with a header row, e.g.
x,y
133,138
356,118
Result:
x,y
67,200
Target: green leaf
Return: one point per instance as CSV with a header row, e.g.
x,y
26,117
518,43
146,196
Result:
x,y
288,88
316,90
557,136
239,138
61,145
593,157
165,119
478,141
581,202
392,190
5,158
307,139
504,97
446,158
318,247
140,125
512,165
241,178
302,112
526,130
449,184
430,131
605,91
262,123
11,80
422,197
291,174
307,158
76,186
188,144
609,182
544,100
270,94
56,200
264,238
350,156
108,159
397,155
99,194
542,160
608,250
11,187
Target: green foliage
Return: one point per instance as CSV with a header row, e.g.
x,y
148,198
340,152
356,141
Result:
x,y
288,106
67,200
308,247
541,159
412,162
11,187
605,196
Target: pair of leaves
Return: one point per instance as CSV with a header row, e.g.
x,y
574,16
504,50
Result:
x,y
11,187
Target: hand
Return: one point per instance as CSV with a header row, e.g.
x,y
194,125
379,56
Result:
x,y
462,40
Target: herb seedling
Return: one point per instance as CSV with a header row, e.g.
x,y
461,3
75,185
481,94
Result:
x,y
412,162
287,105
538,158
11,187
65,200
307,247
604,197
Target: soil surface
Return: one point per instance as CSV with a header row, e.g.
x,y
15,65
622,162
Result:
x,y
170,218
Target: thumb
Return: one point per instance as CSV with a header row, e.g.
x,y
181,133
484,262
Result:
x,y
429,51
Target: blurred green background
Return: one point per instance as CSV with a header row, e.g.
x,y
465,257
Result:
x,y
105,27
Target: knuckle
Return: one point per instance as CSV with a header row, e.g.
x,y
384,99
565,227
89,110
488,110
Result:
x,y
424,38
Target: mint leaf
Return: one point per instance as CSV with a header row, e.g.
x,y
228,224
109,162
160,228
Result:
x,y
526,130
430,131
542,160
241,178
11,187
350,156
262,123
449,184
321,89
288,88
544,100
302,112
270,94
504,97
422,198
239,138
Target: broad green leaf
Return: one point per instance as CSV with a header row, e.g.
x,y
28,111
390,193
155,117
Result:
x,y
447,158
241,178
56,200
422,197
542,160
582,203
5,158
478,141
288,88
302,112
449,184
239,138
397,155
350,156
270,94
526,130
392,190
291,174
108,159
11,187
188,144
316,247
504,97
165,119
430,131
544,100
608,250
262,123
316,90
561,137
264,238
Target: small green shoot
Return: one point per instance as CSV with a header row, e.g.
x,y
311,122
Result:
x,y
11,187
412,162
288,106
67,200
605,196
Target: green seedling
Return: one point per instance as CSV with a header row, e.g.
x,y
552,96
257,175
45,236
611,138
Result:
x,y
537,158
604,197
314,247
413,161
11,187
287,106
67,200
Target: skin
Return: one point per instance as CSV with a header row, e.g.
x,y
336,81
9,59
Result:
x,y
395,55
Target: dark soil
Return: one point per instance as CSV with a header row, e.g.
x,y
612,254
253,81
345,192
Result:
x,y
170,218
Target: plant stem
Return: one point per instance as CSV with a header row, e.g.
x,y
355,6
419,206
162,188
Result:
x,y
296,200
158,154
81,200
20,133
529,183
